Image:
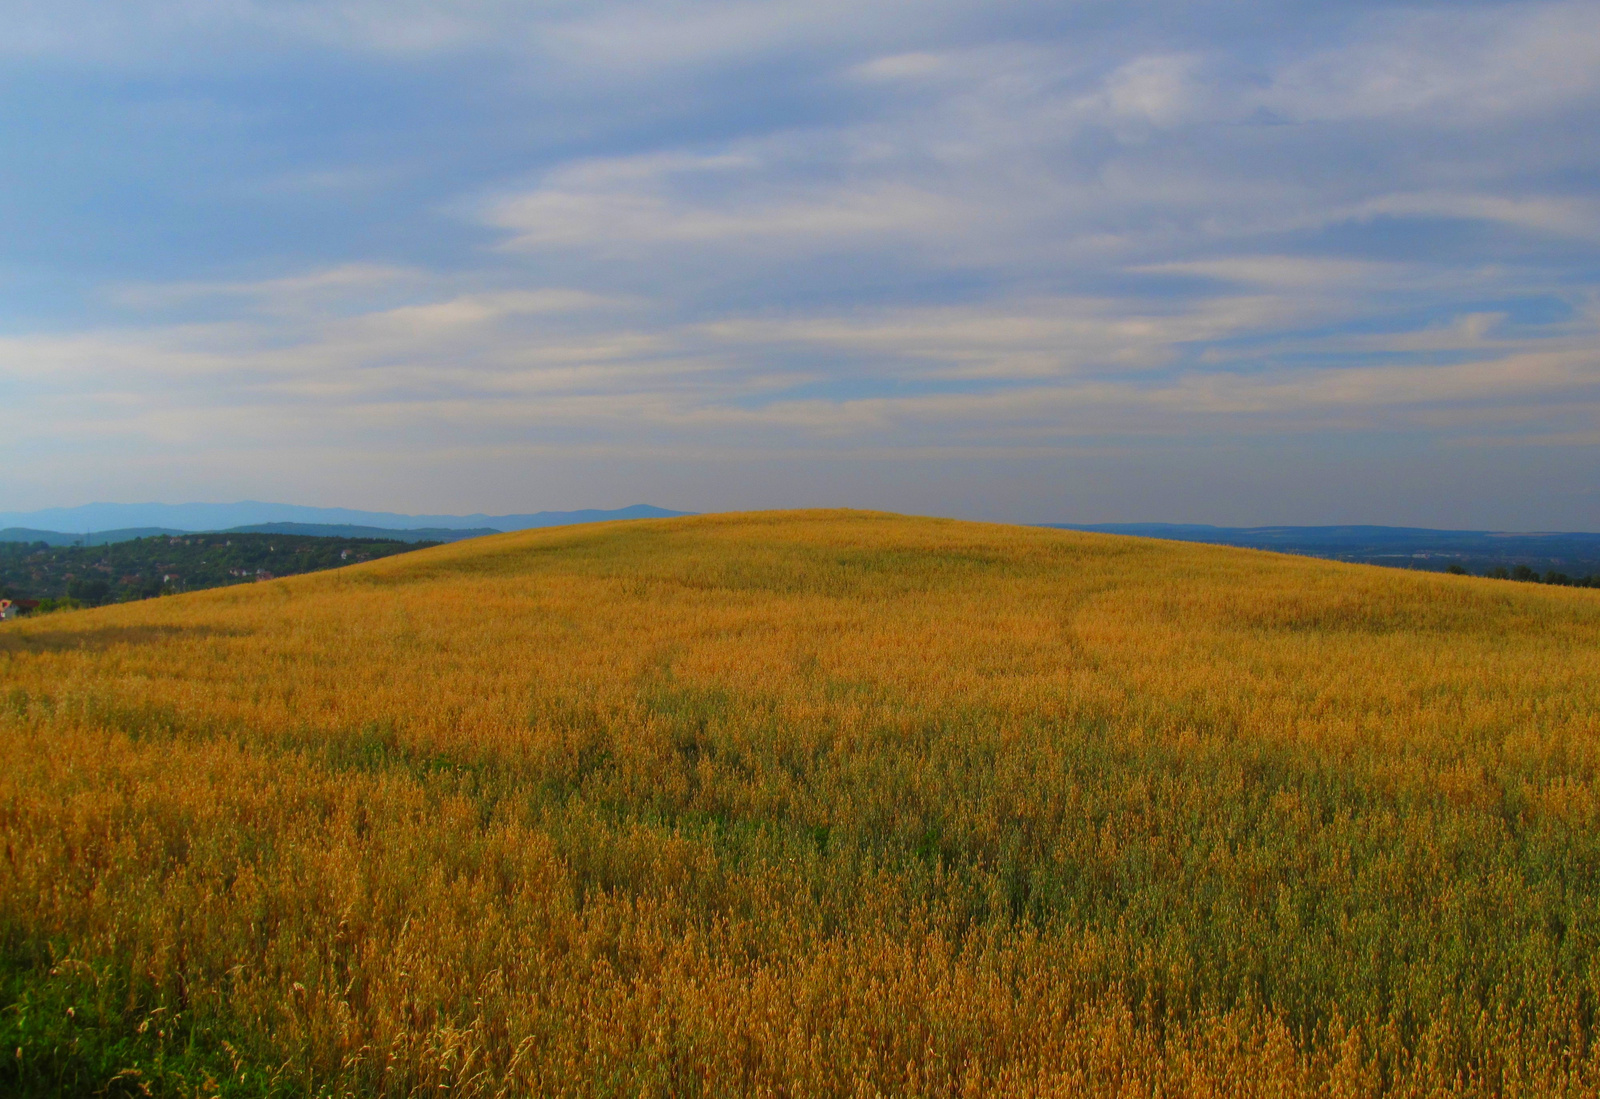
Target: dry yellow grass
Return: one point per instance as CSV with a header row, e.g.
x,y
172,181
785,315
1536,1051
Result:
x,y
813,803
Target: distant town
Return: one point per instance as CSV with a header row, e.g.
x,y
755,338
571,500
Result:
x,y
37,577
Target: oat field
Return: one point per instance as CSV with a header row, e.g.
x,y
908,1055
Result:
x,y
806,804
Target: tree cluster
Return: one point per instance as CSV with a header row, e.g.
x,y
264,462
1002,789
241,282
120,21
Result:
x,y
61,577
1531,576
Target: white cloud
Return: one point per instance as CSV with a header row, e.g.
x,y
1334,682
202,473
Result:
x,y
784,225
649,35
345,279
1558,216
902,66
1054,368
1159,89
605,220
1299,272
1461,67
745,193
621,36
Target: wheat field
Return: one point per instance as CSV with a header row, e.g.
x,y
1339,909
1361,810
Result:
x,y
806,804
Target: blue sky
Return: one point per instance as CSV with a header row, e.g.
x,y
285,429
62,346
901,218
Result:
x,y
1196,262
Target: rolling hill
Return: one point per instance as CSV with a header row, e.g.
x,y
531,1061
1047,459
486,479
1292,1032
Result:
x,y
809,803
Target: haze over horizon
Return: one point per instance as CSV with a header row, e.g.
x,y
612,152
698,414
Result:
x,y
104,517
1230,263
141,518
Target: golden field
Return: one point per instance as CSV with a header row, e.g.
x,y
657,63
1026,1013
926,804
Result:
x,y
806,804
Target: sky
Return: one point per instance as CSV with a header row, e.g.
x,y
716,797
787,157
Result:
x,y
1218,261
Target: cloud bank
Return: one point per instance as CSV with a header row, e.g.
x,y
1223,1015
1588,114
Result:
x,y
1227,263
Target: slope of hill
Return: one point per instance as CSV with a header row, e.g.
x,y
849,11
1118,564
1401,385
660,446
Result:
x,y
807,804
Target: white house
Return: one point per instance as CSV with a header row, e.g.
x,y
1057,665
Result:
x,y
8,609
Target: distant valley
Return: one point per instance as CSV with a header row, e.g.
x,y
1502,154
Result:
x,y
47,569
62,577
1480,552
1549,555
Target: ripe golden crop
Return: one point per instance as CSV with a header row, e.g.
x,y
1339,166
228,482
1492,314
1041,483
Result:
x,y
810,803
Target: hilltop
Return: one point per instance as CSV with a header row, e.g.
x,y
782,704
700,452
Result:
x,y
808,803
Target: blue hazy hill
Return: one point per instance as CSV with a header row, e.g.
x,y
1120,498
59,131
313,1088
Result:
x,y
335,530
319,530
66,538
122,522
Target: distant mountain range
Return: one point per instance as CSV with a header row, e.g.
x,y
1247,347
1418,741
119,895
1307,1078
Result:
x,y
1560,551
98,524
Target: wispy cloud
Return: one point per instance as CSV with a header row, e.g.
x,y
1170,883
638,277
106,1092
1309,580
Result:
x,y
1456,67
741,231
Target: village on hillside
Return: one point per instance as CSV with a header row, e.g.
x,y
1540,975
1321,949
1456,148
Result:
x,y
35,577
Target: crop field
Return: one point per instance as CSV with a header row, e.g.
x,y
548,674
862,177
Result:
x,y
806,804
